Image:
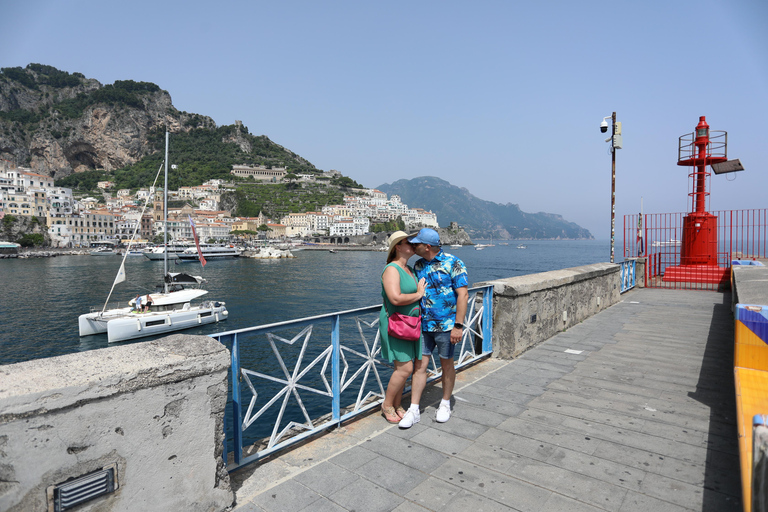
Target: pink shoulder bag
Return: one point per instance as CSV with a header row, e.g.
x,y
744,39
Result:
x,y
403,326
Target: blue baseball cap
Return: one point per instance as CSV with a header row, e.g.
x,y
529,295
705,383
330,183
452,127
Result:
x,y
426,236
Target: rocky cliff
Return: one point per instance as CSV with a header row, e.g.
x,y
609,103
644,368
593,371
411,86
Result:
x,y
59,123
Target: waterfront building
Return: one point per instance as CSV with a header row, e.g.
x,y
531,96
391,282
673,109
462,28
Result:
x,y
349,226
82,229
277,231
318,222
178,229
212,230
297,224
248,223
126,224
343,226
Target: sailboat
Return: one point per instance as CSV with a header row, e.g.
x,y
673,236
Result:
x,y
480,247
168,309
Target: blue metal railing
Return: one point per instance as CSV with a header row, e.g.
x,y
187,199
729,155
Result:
x,y
627,275
272,421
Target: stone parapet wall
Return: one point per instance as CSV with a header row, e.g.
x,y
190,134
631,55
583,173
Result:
x,y
532,308
154,410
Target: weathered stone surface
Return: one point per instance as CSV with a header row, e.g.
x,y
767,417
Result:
x,y
154,409
532,308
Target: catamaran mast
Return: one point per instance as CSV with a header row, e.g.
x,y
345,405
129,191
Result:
x,y
165,218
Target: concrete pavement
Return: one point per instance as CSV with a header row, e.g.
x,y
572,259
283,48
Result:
x,y
631,410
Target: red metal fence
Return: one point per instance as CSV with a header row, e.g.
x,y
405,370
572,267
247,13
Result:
x,y
741,235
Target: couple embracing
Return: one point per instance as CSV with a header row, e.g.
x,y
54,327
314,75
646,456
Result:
x,y
435,288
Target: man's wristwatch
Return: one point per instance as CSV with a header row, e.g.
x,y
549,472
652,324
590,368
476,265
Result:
x,y
458,324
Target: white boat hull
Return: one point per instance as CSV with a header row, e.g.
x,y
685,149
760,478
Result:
x,y
159,255
139,325
96,323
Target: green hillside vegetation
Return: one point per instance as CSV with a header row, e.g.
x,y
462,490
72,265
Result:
x,y
199,155
48,75
278,200
126,93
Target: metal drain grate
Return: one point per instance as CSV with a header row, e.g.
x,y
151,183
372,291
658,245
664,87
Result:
x,y
68,495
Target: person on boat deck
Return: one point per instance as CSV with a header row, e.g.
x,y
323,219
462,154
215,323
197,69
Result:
x,y
401,291
137,303
148,302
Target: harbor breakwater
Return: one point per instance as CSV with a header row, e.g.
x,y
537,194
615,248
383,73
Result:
x,y
48,253
148,417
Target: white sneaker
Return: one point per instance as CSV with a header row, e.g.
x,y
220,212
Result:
x,y
409,419
443,413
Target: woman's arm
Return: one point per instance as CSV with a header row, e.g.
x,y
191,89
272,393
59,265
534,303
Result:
x,y
391,280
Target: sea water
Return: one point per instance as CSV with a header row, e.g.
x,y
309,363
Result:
x,y
41,298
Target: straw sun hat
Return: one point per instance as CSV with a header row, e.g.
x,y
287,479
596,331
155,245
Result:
x,y
394,239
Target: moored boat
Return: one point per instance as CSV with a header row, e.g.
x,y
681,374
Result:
x,y
168,309
210,252
172,250
102,248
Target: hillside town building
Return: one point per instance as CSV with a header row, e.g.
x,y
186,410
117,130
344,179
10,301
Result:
x,y
260,173
73,223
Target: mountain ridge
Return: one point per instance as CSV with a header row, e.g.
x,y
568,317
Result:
x,y
59,123
63,124
481,218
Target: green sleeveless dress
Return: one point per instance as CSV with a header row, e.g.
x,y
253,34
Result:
x,y
392,348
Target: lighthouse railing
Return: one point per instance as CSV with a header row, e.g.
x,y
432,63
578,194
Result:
x,y
660,238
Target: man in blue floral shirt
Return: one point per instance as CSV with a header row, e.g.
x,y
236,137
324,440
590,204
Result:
x,y
443,308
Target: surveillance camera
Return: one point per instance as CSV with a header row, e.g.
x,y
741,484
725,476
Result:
x,y
604,126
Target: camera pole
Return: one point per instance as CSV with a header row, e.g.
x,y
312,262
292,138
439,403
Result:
x,y
613,183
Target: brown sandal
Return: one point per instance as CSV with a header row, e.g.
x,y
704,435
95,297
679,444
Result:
x,y
389,414
400,412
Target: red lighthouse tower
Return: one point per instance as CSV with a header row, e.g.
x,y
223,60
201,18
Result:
x,y
698,253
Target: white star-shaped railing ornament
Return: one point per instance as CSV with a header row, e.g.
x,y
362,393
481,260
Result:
x,y
472,326
369,363
291,385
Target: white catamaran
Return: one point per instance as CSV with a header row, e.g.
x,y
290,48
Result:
x,y
168,309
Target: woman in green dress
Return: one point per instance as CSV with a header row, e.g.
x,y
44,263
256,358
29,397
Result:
x,y
401,292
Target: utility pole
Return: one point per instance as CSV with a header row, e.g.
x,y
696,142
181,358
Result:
x,y
613,183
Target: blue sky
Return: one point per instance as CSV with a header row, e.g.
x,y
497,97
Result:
x,y
503,98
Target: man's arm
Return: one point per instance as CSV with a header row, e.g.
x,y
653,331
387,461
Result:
x,y
462,296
